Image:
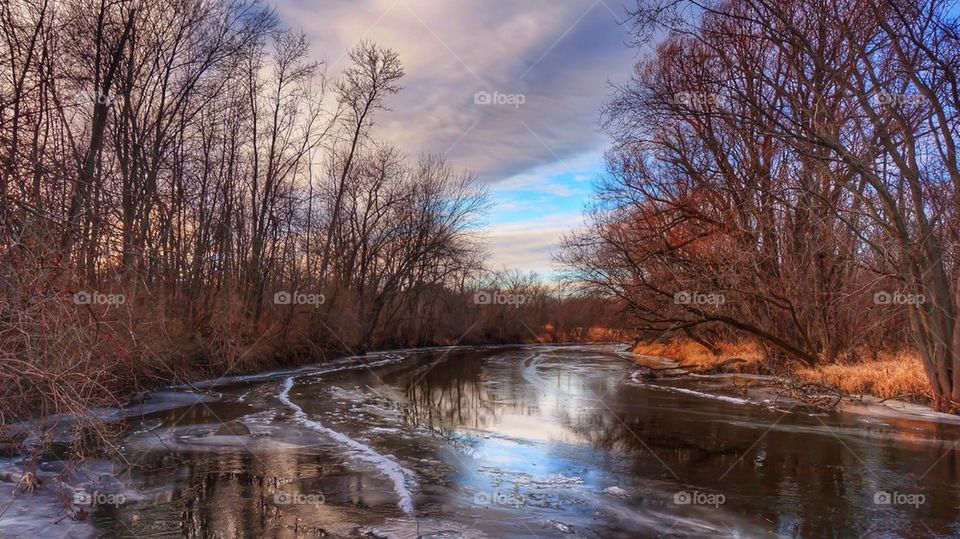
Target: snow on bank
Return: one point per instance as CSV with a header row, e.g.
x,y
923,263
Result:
x,y
385,463
48,511
765,394
62,427
375,359
725,398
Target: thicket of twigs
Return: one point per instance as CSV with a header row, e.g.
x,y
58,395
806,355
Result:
x,y
787,171
184,193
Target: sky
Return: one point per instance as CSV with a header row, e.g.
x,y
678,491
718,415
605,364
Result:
x,y
508,89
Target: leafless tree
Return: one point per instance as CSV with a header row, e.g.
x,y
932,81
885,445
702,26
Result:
x,y
794,158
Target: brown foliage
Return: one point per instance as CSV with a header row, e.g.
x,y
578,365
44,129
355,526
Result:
x,y
768,154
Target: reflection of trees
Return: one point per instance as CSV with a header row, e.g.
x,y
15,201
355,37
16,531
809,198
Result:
x,y
234,495
449,393
456,392
804,483
640,427
798,476
205,413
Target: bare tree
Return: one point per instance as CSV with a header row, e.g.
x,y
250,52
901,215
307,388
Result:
x,y
793,158
375,74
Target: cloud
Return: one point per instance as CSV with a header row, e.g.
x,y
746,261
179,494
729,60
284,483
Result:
x,y
559,56
538,157
567,177
529,245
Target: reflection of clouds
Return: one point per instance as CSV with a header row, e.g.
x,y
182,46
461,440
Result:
x,y
535,399
539,435
454,394
535,428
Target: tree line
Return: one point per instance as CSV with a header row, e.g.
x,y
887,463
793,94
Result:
x,y
185,191
787,171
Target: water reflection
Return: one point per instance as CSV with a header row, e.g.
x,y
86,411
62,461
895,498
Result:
x,y
535,440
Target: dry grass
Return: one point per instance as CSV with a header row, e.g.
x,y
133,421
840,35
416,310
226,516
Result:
x,y
689,353
550,333
898,375
892,376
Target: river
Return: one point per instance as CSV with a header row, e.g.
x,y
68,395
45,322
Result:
x,y
531,441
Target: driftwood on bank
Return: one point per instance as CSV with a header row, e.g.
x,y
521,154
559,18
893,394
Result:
x,y
816,394
683,369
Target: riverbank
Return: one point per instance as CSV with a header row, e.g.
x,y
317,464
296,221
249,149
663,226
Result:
x,y
891,376
544,440
63,359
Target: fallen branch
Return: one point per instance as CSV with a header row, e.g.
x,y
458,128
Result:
x,y
812,393
697,369
913,397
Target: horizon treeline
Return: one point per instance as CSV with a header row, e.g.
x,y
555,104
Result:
x,y
787,171
184,191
